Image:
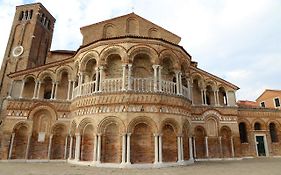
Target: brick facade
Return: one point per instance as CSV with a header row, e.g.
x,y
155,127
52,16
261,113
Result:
x,y
129,96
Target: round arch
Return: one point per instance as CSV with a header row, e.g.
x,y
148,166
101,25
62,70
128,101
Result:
x,y
87,57
142,119
143,49
46,73
114,49
171,56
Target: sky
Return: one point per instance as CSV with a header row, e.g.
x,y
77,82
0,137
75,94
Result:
x,y
237,40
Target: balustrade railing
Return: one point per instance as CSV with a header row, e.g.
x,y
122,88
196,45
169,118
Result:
x,y
142,84
169,87
112,85
136,85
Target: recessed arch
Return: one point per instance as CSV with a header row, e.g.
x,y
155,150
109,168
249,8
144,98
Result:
x,y
114,49
144,49
142,119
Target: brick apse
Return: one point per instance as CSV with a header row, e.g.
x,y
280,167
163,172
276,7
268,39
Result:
x,y
129,96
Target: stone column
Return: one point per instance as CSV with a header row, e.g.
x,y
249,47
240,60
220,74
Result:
x,y
35,90
180,81
160,78
124,76
160,149
38,89
69,89
50,146
202,96
155,67
129,76
215,98
190,148
182,155
10,89
97,80
189,89
77,146
218,98
22,88
73,86
11,146
232,147
207,146
156,154
179,148
128,148
99,149
95,148
227,98
65,147
70,147
194,147
53,89
100,78
27,147
177,82
123,148
56,90
220,144
205,97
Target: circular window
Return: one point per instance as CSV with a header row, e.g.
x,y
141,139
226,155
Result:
x,y
17,51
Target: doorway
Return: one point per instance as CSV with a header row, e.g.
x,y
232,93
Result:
x,y
261,145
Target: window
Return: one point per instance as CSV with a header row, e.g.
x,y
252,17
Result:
x,y
273,134
262,104
47,95
257,126
277,102
243,133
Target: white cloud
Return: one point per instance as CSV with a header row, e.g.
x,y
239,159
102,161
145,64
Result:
x,y
237,40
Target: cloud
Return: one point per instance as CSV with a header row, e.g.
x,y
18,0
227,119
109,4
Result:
x,y
237,40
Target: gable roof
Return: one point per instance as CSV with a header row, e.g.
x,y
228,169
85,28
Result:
x,y
268,90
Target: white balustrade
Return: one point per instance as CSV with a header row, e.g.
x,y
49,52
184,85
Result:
x,y
169,87
112,85
137,85
142,84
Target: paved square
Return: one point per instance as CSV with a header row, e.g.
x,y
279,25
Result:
x,y
264,166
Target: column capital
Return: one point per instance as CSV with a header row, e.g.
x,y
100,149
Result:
x,y
77,134
155,66
155,134
124,65
129,134
23,80
101,67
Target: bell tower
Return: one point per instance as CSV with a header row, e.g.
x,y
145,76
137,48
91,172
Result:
x,y
29,42
31,36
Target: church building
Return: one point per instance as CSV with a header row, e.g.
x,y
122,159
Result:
x,y
129,96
